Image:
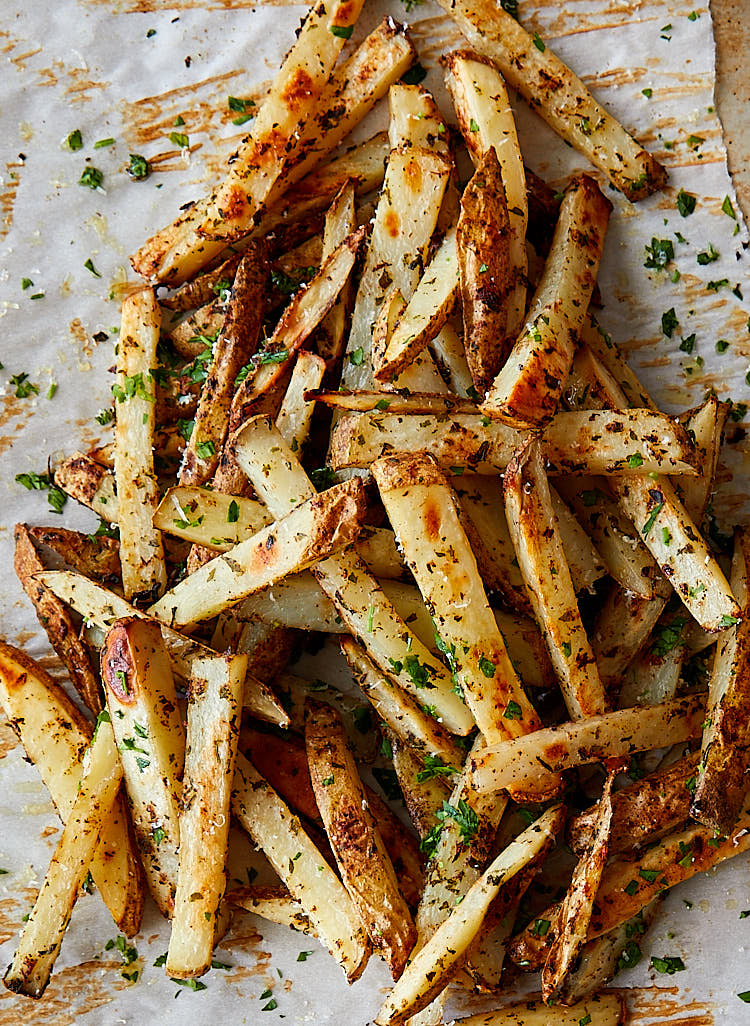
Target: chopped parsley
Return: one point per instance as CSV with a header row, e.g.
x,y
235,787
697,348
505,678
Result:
x,y
729,621
91,177
464,817
179,139
669,322
132,386
538,42
26,283
89,265
694,141
75,140
205,449
540,927
707,256
303,956
634,460
185,428
289,283
414,75
56,497
513,711
685,203
487,667
659,253
233,513
648,93
357,357
668,965
434,767
23,387
100,144
728,209
190,984
473,126
138,168
342,31
687,344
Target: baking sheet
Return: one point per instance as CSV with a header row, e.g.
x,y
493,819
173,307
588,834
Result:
x,y
96,65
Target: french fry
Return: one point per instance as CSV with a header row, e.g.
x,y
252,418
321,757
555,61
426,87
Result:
x,y
274,904
423,512
656,804
545,570
55,736
398,710
447,348
365,401
575,442
425,314
433,966
487,275
301,867
54,616
340,222
141,552
235,345
414,184
424,794
279,480
89,483
415,120
321,526
605,1009
204,288
577,908
486,120
43,933
627,559
527,390
558,95
622,629
213,722
146,720
100,608
722,779
654,674
598,738
366,870
306,310
95,557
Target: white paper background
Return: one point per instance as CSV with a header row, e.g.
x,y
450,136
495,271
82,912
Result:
x,y
89,65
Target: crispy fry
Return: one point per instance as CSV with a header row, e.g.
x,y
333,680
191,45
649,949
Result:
x,y
142,704
89,483
605,1009
366,869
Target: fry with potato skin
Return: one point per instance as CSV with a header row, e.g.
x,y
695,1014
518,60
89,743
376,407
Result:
x,y
515,763
96,557
725,749
301,867
605,1009
43,933
54,736
487,276
366,869
657,803
213,723
545,570
142,703
89,483
527,390
558,95
54,616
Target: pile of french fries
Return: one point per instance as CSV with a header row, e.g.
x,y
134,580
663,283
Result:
x,y
357,397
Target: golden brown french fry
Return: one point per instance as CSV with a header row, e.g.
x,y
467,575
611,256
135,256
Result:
x,y
725,760
303,314
301,867
321,526
366,869
598,738
414,184
55,735
527,390
545,570
43,933
365,401
605,1009
54,616
558,95
422,782
423,512
236,343
100,608
398,710
147,723
340,222
213,723
424,315
434,965
204,288
578,906
657,803
574,442
89,483
274,904
484,244
141,552
96,557
486,120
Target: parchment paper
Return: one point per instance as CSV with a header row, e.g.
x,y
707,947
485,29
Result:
x,y
92,65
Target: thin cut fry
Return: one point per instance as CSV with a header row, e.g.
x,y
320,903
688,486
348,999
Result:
x,y
43,933
605,1009
141,553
